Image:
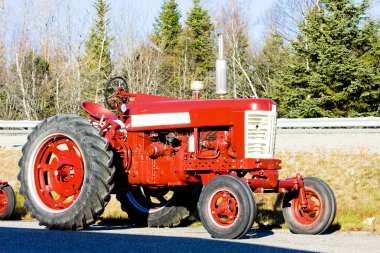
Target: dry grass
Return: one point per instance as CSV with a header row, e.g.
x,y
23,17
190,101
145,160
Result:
x,y
354,178
113,210
9,166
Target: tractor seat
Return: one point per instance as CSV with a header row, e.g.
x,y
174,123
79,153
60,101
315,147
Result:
x,y
98,111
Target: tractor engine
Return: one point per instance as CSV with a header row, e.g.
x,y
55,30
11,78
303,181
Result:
x,y
168,157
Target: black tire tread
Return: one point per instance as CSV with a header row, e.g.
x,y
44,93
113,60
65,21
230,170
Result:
x,y
248,201
297,228
179,210
100,166
8,190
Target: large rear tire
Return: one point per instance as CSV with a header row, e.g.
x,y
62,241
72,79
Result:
x,y
227,207
163,207
66,173
320,214
7,202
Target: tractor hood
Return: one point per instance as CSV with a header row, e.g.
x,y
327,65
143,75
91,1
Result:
x,y
149,112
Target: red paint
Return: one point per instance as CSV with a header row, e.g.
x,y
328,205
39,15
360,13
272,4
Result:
x,y
309,214
3,200
181,153
98,111
203,113
58,172
224,208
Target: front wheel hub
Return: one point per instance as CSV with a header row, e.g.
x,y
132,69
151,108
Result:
x,y
309,214
224,208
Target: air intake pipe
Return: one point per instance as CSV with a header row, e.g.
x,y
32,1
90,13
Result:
x,y
221,69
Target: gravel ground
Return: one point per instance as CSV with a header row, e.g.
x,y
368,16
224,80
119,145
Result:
x,y
20,236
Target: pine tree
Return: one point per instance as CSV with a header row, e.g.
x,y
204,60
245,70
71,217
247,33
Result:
x,y
269,64
167,27
333,72
199,40
97,61
166,35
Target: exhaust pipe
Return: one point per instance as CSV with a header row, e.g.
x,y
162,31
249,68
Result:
x,y
221,69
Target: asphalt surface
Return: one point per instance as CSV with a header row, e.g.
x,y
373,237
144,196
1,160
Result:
x,y
22,236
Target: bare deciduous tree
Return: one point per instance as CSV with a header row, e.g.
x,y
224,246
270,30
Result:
x,y
286,15
234,22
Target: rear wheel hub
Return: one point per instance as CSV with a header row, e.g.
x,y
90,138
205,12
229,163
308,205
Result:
x,y
59,172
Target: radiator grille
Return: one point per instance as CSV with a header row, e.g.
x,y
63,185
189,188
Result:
x,y
260,131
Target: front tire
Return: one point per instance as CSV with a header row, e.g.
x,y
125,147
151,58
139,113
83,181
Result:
x,y
227,207
7,202
66,173
320,214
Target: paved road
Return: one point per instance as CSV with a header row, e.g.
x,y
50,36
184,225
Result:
x,y
21,236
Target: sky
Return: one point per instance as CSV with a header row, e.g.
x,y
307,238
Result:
x,y
125,15
150,9
143,12
123,12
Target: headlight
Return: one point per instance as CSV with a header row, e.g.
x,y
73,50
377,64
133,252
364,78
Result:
x,y
123,108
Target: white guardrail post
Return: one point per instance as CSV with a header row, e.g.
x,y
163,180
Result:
x,y
26,126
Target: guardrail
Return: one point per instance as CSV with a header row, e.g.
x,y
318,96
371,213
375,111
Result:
x,y
18,124
366,122
26,126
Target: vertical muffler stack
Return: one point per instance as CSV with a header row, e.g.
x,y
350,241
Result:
x,y
221,69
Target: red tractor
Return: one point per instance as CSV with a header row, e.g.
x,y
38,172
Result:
x,y
163,158
7,200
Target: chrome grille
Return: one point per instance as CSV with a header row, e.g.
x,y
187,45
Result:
x,y
260,131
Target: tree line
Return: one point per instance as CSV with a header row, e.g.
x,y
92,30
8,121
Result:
x,y
320,58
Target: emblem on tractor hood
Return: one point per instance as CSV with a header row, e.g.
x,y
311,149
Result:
x,y
160,119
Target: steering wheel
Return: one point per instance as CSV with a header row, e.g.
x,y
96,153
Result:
x,y
113,88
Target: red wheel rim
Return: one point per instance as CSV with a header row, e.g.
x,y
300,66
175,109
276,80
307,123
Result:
x,y
3,201
58,172
224,208
312,212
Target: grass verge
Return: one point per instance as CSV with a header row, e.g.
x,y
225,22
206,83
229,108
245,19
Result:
x,y
354,178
